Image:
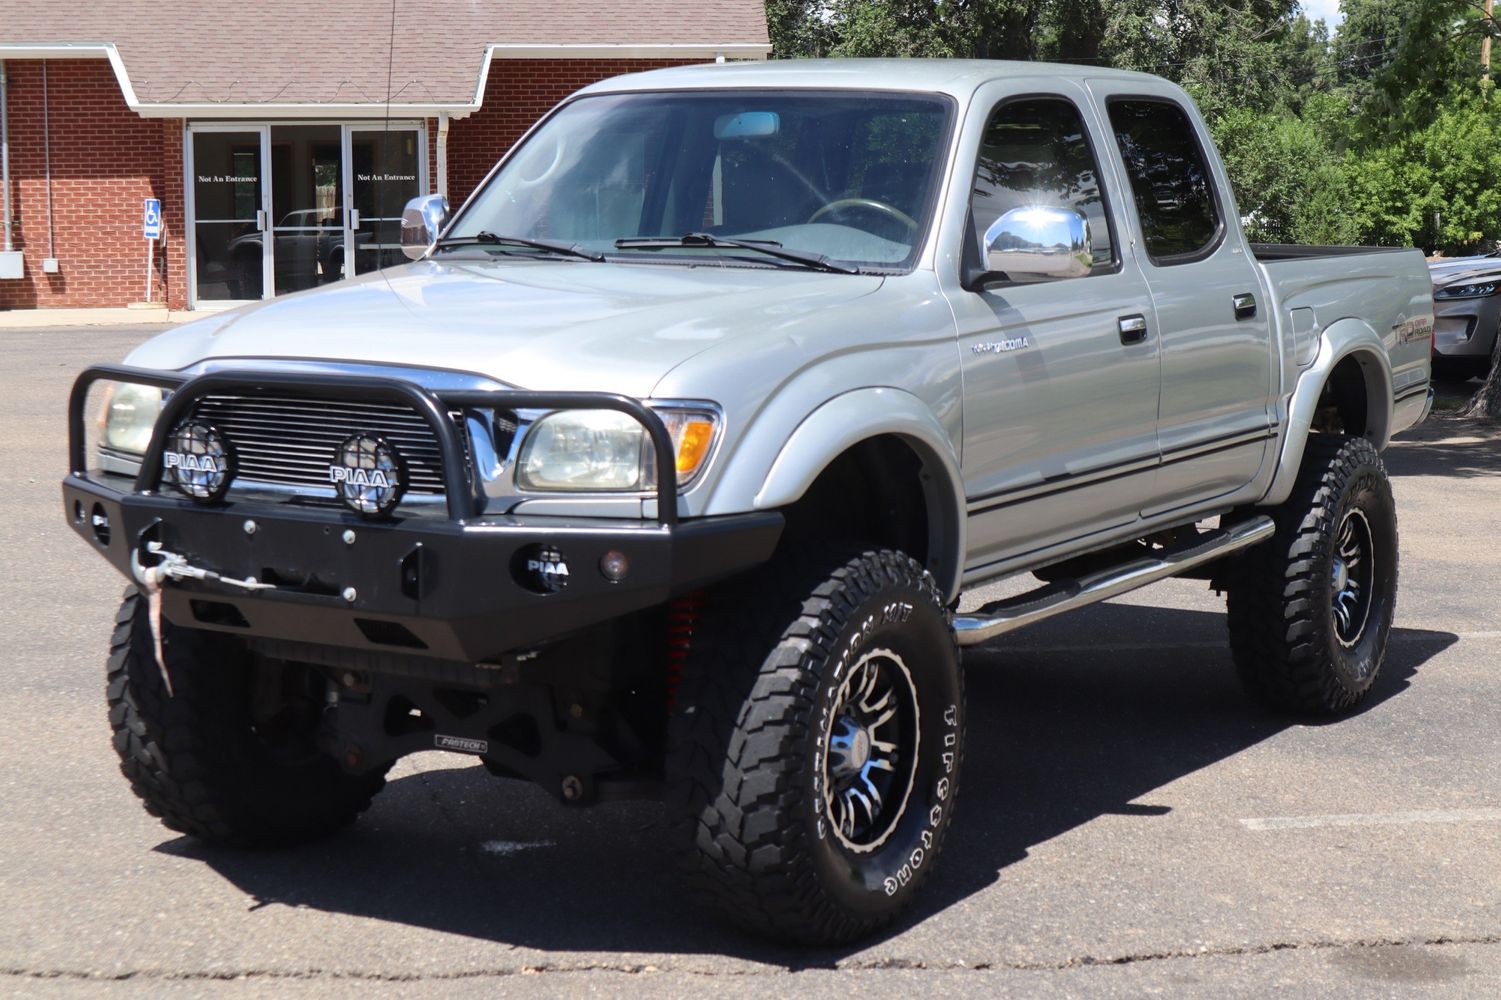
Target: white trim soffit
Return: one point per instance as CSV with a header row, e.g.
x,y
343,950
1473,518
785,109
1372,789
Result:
x,y
455,109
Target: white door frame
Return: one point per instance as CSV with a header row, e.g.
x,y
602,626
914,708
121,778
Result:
x,y
268,249
346,153
190,209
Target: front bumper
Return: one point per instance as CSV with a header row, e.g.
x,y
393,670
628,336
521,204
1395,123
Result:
x,y
456,587
1466,328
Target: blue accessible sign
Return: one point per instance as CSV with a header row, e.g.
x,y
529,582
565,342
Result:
x,y
151,222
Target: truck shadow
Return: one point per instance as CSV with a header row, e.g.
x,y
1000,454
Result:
x,y
1075,720
1446,445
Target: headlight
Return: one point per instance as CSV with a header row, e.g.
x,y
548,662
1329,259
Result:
x,y
599,451
130,413
1477,290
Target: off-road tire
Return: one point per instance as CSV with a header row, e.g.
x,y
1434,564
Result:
x,y
1285,634
750,753
195,758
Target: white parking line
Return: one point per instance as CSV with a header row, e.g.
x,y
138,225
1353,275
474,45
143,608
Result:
x,y
1374,819
506,848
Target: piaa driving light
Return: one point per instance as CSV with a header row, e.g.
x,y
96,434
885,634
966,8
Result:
x,y
602,451
199,461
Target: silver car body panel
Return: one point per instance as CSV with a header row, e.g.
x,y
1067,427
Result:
x,y
1062,429
1371,308
859,415
540,324
1040,432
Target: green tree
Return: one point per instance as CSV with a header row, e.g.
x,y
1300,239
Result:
x,y
1074,31
1380,179
1289,183
1401,60
797,28
1461,150
980,29
1254,54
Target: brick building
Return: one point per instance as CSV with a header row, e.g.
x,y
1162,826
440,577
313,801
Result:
x,y
283,138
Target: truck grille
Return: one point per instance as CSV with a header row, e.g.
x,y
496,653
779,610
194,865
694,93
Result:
x,y
292,440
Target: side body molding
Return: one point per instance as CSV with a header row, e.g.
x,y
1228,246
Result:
x,y
1346,338
840,424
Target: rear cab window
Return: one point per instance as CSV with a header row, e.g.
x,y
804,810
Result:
x,y
1172,186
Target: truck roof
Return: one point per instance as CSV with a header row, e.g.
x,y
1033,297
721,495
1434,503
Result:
x,y
956,77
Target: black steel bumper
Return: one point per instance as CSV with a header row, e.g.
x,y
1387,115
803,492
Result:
x,y
453,587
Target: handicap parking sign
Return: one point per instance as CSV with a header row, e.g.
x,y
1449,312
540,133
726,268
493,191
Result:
x,y
152,219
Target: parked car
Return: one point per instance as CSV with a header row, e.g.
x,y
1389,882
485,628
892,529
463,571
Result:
x,y
661,470
309,246
1467,315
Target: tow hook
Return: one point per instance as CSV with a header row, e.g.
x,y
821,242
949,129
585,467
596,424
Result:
x,y
172,566
176,567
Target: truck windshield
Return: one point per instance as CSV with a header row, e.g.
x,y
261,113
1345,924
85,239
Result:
x,y
846,176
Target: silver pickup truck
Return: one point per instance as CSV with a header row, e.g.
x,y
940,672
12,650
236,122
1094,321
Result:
x,y
661,470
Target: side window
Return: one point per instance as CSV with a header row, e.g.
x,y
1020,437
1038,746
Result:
x,y
1172,185
1036,153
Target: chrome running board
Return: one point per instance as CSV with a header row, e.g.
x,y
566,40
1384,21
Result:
x,y
1054,599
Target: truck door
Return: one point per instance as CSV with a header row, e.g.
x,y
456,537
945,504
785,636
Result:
x,y
1060,376
1215,423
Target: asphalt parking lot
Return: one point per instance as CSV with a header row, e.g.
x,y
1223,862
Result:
x,y
1128,825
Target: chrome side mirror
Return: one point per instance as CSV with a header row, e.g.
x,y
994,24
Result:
x,y
1030,243
421,222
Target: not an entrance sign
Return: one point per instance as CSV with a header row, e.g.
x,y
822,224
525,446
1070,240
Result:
x,y
151,219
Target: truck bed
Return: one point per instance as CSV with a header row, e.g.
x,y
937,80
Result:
x,y
1387,289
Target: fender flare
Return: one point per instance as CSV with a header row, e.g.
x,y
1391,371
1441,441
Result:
x,y
1346,338
843,422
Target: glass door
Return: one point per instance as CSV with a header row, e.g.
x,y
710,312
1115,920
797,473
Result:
x,y
383,169
229,204
307,206
282,208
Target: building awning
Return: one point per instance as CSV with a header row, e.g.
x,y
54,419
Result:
x,y
344,58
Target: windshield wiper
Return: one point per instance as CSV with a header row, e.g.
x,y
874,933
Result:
x,y
770,248
487,238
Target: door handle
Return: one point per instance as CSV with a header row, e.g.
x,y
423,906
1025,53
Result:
x,y
1245,305
260,220
354,218
1133,329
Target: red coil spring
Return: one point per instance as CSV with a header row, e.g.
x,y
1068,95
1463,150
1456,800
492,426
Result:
x,y
683,614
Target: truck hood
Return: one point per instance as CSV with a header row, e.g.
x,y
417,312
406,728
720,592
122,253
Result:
x,y
542,325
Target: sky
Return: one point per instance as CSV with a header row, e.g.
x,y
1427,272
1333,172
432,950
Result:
x,y
1326,10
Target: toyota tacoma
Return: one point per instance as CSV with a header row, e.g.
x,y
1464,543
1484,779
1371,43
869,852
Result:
x,y
660,470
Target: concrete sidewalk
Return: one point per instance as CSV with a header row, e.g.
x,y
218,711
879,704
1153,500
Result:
x,y
30,319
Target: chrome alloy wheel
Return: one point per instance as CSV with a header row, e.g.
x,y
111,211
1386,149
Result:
x,y
1352,570
872,751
